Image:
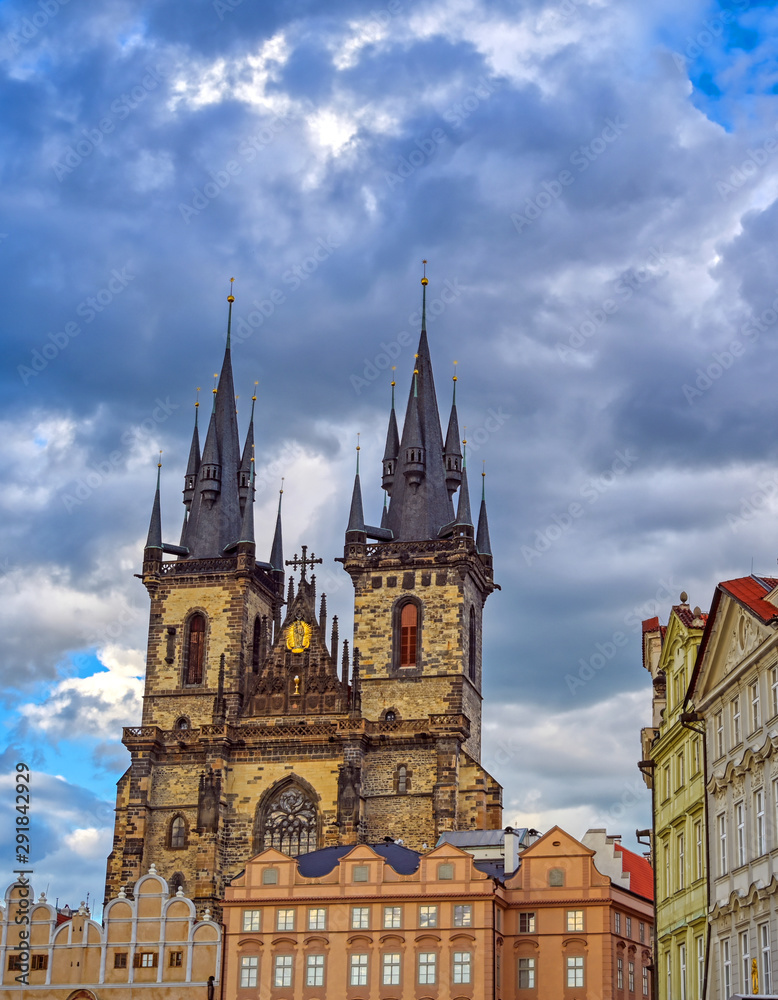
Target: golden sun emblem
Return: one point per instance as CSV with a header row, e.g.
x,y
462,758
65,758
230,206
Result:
x,y
298,636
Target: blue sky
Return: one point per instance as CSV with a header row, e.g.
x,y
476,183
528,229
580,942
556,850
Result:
x,y
593,183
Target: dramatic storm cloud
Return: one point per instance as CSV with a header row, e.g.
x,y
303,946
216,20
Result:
x,y
594,187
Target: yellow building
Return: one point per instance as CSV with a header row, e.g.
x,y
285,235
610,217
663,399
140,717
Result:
x,y
150,947
674,769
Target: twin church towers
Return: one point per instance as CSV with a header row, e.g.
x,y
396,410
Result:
x,y
261,726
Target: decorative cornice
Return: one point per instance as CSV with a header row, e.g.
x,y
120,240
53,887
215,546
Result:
x,y
738,768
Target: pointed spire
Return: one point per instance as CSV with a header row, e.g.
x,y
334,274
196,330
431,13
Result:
x,y
323,614
392,449
154,539
334,640
483,543
290,591
248,456
247,527
277,549
356,518
464,517
344,666
452,454
424,282
385,514
193,465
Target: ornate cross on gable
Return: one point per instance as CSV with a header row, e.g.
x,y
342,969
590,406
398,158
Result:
x,y
303,563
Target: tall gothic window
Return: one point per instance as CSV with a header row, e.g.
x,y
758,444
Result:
x,y
195,649
287,821
409,629
177,836
256,647
471,645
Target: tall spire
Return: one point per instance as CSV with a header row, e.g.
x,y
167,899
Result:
x,y
356,517
154,539
452,455
421,504
392,449
277,549
193,465
483,543
247,526
248,456
215,516
464,517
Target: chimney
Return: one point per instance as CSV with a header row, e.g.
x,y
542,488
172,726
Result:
x,y
511,851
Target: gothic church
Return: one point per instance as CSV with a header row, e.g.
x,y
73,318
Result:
x,y
259,728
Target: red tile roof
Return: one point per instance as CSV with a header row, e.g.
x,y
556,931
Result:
x,y
641,874
688,617
651,624
750,591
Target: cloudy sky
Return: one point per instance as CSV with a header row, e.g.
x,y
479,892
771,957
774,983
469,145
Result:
x,y
594,186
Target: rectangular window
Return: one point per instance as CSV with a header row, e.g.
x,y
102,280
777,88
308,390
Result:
x,y
740,825
445,871
361,873
753,692
120,960
285,920
680,769
428,916
314,970
428,966
628,930
668,886
617,923
696,755
145,960
698,849
645,981
463,962
393,916
526,973
40,962
631,980
641,931
669,973
619,973
358,970
14,963
575,920
764,945
391,970
317,919
681,861
176,959
745,961
249,968
360,917
719,734
726,968
666,775
774,691
736,734
759,814
721,822
498,968
575,972
700,944
252,920
463,915
682,969
526,923
282,972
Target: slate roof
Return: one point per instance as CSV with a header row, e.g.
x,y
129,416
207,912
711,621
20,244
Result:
x,y
477,838
641,874
317,864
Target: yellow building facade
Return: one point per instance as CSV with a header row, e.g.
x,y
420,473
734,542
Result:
x,y
673,766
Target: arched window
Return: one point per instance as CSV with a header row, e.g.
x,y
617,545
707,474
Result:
x,y
177,836
256,647
409,633
195,649
402,779
471,645
182,723
287,820
176,882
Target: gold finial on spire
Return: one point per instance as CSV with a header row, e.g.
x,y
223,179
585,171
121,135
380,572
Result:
x,y
425,279
455,370
215,380
159,463
236,404
358,437
252,453
231,297
282,485
197,397
394,369
254,397
464,431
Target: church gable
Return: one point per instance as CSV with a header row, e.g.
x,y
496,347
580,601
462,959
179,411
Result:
x,y
299,675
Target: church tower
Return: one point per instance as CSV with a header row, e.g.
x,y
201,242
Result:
x,y
260,730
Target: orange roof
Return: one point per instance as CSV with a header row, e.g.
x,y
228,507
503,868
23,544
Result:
x,y
750,591
651,624
641,874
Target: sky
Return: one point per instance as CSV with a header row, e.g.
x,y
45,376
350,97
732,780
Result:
x,y
593,185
